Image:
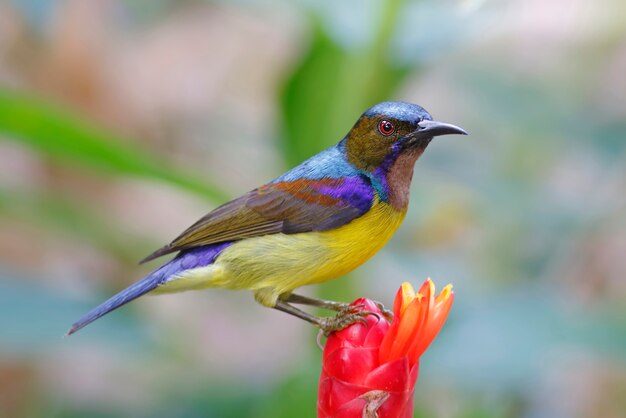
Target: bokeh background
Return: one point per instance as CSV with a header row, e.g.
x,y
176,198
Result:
x,y
122,122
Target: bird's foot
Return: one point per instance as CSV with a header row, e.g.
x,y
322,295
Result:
x,y
330,304
344,318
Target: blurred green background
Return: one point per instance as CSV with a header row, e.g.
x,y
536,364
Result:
x,y
122,122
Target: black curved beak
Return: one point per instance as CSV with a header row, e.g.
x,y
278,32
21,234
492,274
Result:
x,y
431,128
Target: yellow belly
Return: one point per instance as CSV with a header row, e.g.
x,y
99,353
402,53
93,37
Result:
x,y
271,265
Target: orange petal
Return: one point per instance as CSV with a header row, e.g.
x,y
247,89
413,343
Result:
x,y
428,287
407,328
402,335
436,318
426,295
418,319
388,340
404,297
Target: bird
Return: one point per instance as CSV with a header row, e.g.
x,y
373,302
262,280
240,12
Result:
x,y
316,222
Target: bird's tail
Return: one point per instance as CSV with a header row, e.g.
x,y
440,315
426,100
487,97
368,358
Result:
x,y
161,278
139,288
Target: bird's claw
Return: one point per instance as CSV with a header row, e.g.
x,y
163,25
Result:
x,y
345,318
386,312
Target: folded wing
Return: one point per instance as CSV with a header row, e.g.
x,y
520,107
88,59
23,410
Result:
x,y
283,207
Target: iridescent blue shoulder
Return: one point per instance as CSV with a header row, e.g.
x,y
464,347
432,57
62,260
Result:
x,y
330,163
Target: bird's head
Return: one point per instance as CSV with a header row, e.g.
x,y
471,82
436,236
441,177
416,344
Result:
x,y
390,129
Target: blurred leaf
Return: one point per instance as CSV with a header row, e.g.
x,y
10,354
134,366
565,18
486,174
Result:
x,y
308,102
62,136
332,86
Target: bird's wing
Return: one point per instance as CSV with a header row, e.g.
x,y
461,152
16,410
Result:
x,y
283,207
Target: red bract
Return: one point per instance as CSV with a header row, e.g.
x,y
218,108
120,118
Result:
x,y
370,371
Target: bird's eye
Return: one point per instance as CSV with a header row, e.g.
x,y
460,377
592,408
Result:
x,y
386,128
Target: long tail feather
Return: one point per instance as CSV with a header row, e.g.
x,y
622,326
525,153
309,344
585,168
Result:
x,y
132,292
186,260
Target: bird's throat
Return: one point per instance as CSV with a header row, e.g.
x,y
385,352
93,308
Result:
x,y
399,178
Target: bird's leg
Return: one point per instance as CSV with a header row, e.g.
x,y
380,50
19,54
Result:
x,y
319,303
298,313
344,318
330,304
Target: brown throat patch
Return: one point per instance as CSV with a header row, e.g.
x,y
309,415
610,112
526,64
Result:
x,y
399,177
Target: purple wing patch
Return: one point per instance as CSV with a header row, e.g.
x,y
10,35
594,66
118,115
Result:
x,y
313,205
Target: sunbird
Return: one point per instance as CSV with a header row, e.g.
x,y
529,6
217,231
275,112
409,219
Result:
x,y
318,221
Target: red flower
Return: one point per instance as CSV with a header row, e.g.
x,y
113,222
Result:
x,y
370,371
